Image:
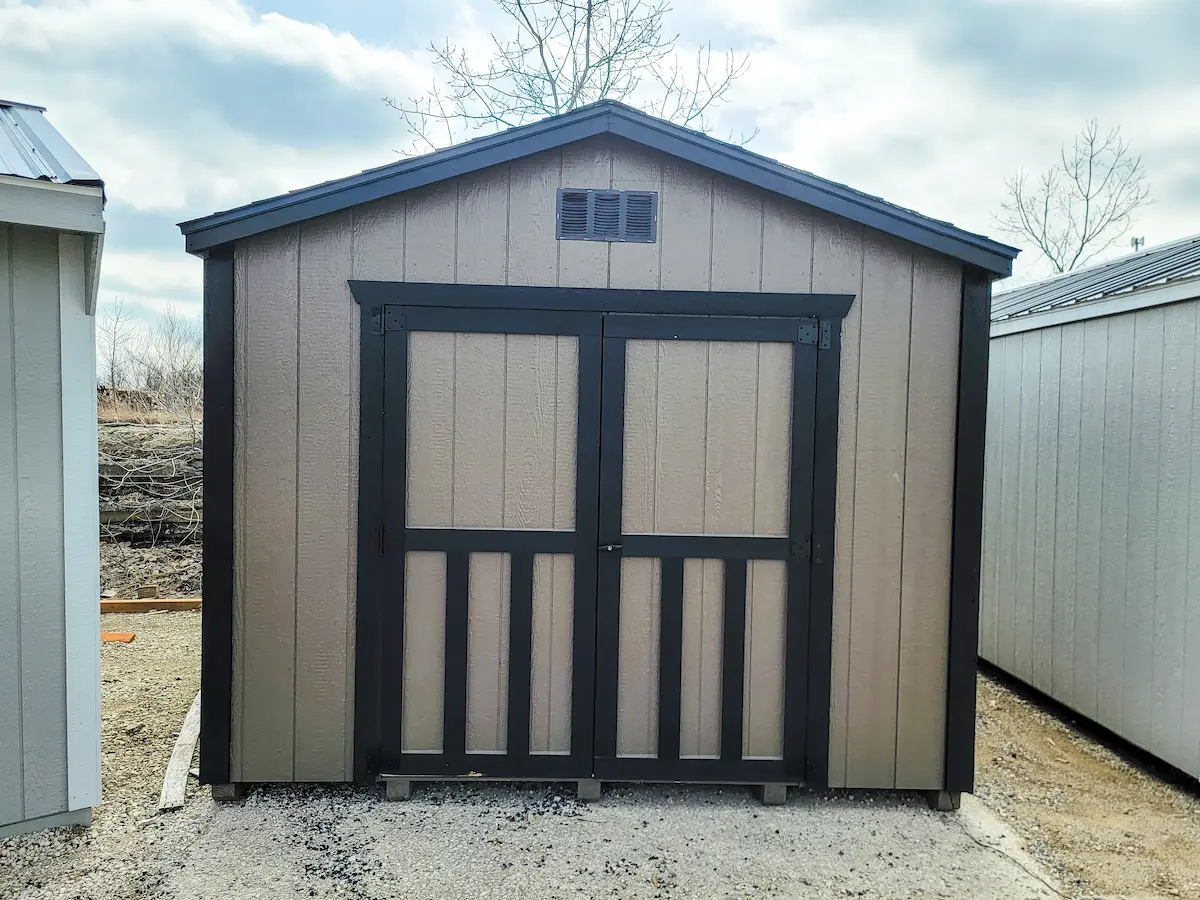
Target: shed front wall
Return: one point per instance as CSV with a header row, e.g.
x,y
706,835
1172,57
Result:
x,y
296,401
1091,572
49,536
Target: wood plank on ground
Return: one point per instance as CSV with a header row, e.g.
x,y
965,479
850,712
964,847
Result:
x,y
172,604
174,787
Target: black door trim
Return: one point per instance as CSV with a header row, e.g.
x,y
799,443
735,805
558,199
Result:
x,y
514,310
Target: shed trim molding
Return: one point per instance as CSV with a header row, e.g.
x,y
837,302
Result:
x,y
967,531
604,117
46,204
1159,295
216,644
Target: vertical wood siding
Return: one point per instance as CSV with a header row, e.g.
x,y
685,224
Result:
x,y
894,460
49,567
1091,589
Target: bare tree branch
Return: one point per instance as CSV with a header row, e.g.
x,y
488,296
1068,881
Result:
x,y
564,54
1082,205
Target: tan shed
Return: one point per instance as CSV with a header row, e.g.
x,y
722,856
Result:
x,y
597,449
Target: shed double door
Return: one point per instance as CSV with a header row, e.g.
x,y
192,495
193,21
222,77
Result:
x,y
596,545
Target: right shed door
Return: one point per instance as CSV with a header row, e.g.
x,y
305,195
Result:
x,y
705,529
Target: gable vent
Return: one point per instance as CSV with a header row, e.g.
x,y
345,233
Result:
x,y
599,215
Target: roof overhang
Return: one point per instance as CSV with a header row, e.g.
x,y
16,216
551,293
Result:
x,y
602,118
1158,295
47,204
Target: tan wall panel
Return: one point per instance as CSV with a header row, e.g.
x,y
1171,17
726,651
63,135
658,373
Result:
x,y
773,439
431,226
424,652
532,194
323,551
265,418
431,394
730,480
679,481
762,700
487,653
640,465
788,234
928,516
637,657
879,515
736,237
566,432
685,227
552,655
587,164
482,233
379,245
635,265
700,684
837,267
536,465
479,369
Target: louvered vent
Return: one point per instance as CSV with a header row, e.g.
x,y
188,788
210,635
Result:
x,y
594,215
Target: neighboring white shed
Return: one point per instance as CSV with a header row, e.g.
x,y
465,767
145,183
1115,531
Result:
x,y
51,236
1091,568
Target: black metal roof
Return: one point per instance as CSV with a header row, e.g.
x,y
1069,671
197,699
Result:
x,y
1148,268
610,117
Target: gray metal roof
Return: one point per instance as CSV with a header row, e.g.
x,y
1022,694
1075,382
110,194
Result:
x,y
30,147
606,116
1148,268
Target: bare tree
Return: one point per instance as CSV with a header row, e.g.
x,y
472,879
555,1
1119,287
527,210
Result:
x,y
169,362
1081,205
114,332
565,54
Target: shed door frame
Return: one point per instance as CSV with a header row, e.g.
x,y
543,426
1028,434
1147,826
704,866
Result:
x,y
808,762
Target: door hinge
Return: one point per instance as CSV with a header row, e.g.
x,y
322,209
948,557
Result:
x,y
377,321
381,540
802,549
393,318
826,336
807,332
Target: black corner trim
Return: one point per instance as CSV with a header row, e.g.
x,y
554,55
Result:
x,y
216,645
967,539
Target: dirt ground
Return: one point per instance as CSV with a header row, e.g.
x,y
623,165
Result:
x,y
1105,825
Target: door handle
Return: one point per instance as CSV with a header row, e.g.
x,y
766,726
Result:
x,y
609,547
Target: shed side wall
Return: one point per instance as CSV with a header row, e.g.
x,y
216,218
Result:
x,y
33,695
1091,585
887,718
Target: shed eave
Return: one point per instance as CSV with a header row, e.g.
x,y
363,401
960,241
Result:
x,y
48,204
612,118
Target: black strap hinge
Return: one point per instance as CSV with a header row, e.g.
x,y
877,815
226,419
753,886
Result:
x,y
802,549
826,336
807,332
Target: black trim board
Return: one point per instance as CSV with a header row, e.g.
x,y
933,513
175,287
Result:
x,y
491,297
604,117
216,643
967,531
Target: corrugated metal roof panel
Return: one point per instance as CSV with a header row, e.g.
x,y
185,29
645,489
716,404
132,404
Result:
x,y
1148,268
30,147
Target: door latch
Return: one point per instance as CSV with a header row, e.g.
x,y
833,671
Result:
x,y
609,548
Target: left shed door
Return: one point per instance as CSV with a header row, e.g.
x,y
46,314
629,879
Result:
x,y
488,550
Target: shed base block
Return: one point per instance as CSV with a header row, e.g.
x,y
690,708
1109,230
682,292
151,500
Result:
x,y
943,801
397,788
588,789
225,793
773,794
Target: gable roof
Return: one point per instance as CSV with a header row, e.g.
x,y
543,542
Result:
x,y
30,147
604,117
1146,269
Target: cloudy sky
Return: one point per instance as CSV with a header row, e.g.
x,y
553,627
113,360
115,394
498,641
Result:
x,y
186,107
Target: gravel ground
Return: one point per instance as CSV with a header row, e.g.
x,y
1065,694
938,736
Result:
x,y
1106,825
173,568
1106,828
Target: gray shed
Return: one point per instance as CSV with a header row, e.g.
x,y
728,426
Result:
x,y
1091,578
51,235
594,449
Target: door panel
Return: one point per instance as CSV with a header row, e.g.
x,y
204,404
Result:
x,y
707,431
487,459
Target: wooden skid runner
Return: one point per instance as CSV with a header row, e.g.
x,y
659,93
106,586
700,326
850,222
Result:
x,y
173,604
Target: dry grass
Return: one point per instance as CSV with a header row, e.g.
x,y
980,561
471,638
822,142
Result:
x,y
138,414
